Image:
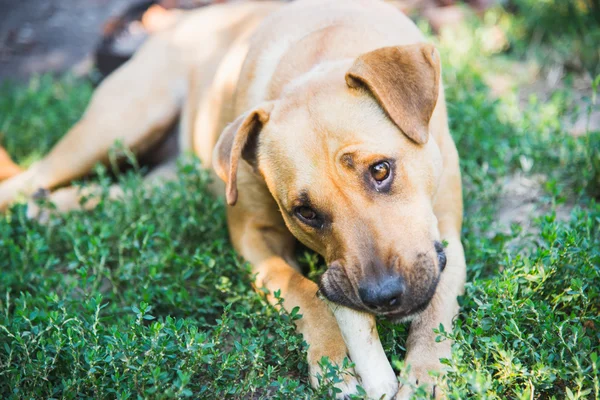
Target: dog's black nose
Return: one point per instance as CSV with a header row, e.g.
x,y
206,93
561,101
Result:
x,y
383,293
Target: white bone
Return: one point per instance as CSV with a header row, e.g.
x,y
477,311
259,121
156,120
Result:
x,y
364,348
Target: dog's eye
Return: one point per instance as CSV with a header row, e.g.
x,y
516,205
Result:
x,y
380,176
380,171
308,216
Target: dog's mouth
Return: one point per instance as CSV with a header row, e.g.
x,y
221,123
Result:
x,y
406,316
399,315
336,286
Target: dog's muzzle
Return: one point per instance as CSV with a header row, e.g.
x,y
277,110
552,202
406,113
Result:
x,y
394,293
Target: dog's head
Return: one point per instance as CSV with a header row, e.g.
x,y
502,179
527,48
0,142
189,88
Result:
x,y
346,153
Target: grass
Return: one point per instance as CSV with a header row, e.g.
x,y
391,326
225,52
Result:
x,y
145,298
565,32
34,116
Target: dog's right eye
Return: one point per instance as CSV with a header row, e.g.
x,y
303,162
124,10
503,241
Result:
x,y
308,216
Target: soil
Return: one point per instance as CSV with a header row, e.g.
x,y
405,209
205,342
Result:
x,y
522,200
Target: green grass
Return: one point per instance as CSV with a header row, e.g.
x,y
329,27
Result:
x,y
563,32
145,298
34,116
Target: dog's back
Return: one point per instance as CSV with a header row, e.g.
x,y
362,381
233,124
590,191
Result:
x,y
309,32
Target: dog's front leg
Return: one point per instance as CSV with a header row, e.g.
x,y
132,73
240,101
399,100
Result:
x,y
269,249
423,352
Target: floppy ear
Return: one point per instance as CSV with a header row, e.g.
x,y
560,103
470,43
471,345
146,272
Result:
x,y
238,140
405,82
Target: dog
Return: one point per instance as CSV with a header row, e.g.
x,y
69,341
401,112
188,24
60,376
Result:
x,y
326,123
7,166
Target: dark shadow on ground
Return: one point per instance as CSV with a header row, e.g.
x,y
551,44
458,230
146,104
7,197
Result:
x,y
38,36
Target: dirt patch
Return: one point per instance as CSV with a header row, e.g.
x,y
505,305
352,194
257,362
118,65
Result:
x,y
522,200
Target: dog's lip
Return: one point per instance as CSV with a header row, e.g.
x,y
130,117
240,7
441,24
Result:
x,y
337,296
395,315
400,315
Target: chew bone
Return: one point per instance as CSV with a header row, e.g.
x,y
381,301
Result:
x,y
364,347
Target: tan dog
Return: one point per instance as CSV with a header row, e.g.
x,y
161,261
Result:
x,y
7,167
339,139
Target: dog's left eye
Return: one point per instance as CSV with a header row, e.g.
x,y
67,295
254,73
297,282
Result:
x,y
308,216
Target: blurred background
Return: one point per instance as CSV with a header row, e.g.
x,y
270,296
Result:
x,y
60,49
66,35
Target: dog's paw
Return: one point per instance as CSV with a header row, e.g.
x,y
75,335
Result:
x,y
44,204
7,195
18,185
423,379
378,380
38,213
347,387
35,210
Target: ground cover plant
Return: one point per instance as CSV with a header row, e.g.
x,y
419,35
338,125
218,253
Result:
x,y
145,298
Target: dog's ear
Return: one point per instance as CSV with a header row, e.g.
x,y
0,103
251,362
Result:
x,y
405,82
239,140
